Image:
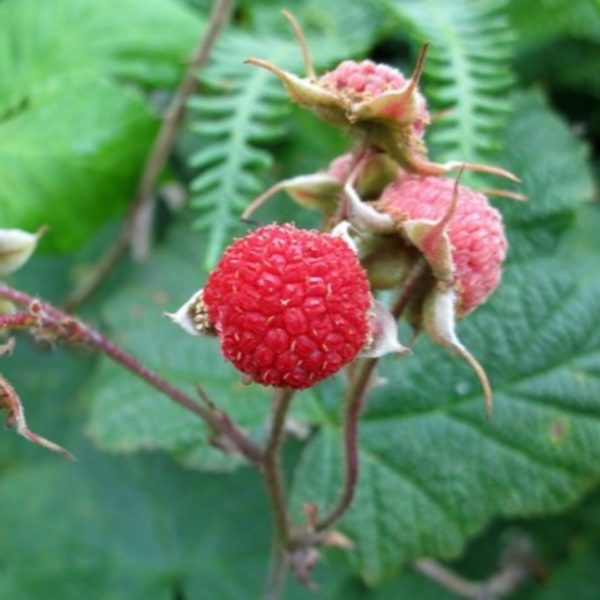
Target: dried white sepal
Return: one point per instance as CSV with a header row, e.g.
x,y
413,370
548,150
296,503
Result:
x,y
342,230
189,316
16,246
363,216
439,320
15,418
318,190
383,334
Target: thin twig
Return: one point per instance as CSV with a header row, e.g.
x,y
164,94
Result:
x,y
276,575
273,477
501,584
271,467
48,319
353,405
156,158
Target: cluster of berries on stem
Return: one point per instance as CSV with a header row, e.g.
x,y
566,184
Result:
x,y
291,307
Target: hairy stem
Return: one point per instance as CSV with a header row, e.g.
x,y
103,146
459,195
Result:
x,y
354,401
44,317
156,158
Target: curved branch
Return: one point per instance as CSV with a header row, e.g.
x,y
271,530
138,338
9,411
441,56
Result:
x,y
66,328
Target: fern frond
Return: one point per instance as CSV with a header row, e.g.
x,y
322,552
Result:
x,y
468,71
248,109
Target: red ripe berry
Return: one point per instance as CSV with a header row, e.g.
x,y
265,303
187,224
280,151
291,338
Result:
x,y
290,306
475,232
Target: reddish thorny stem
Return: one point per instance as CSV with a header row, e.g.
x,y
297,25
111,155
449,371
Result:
x,y
43,316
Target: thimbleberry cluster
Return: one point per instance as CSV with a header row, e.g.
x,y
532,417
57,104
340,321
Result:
x,y
290,307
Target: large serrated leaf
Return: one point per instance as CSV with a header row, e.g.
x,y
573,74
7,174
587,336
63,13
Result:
x,y
541,149
434,471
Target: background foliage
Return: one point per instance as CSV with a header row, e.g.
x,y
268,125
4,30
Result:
x,y
146,512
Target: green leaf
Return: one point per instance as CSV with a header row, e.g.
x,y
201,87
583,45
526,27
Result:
x,y
577,579
546,20
72,160
129,528
73,134
43,43
467,71
434,471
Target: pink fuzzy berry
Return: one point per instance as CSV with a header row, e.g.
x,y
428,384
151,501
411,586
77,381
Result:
x,y
290,306
360,81
475,231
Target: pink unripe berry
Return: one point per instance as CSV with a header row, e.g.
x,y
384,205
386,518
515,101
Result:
x,y
360,81
475,232
290,306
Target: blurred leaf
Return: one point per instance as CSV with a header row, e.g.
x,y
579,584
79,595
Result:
x,y
468,71
577,579
44,43
129,528
72,160
541,149
537,20
73,135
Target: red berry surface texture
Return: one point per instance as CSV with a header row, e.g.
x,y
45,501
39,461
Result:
x,y
290,306
475,232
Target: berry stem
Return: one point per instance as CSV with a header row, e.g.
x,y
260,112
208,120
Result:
x,y
273,478
156,158
354,403
272,464
44,317
278,568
